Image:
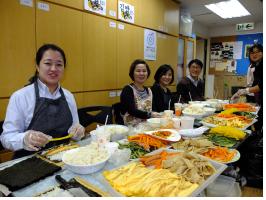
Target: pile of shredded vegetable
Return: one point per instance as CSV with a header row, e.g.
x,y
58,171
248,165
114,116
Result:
x,y
157,159
221,154
147,141
241,107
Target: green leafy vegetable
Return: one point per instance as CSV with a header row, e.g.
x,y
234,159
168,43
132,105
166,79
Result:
x,y
136,150
222,140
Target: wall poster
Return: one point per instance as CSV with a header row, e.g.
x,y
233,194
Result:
x,y
96,6
150,46
126,12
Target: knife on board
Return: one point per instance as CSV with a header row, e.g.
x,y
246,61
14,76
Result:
x,y
74,190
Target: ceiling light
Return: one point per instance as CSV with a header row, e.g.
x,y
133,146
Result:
x,y
228,9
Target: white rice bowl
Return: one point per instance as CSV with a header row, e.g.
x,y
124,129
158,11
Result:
x,y
87,159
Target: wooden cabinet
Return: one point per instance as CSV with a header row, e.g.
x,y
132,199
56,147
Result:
x,y
171,17
63,26
17,45
99,53
79,4
161,15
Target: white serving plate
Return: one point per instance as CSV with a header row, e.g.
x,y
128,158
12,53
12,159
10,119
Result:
x,y
191,133
174,137
244,128
234,159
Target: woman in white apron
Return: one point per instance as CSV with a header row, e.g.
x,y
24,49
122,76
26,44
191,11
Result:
x,y
136,99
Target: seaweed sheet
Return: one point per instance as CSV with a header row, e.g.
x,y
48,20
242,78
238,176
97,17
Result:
x,y
26,172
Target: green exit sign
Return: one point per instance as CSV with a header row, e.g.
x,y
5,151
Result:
x,y
245,26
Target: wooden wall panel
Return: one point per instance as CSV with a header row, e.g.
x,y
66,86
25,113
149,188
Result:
x,y
111,6
166,54
99,98
63,26
17,45
99,48
130,43
3,107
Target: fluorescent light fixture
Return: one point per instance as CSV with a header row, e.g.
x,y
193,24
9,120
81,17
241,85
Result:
x,y
228,9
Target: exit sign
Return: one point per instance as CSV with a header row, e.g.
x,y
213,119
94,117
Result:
x,y
245,26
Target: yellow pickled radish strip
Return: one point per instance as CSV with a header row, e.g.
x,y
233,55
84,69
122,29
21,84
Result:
x,y
61,138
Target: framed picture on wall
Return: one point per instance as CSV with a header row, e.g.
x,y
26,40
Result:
x,y
247,46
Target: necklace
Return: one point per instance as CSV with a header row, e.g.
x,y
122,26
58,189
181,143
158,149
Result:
x,y
139,89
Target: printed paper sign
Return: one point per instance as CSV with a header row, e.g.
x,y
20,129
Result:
x,y
150,45
126,12
97,6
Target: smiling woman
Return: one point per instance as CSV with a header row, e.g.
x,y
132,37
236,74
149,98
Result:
x,y
163,77
43,109
136,99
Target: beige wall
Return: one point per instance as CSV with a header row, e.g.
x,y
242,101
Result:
x,y
98,56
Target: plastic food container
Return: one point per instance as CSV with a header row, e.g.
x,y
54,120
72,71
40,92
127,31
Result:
x,y
154,122
209,111
218,166
223,186
187,122
117,132
177,122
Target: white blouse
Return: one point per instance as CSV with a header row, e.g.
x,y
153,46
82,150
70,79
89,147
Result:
x,y
20,112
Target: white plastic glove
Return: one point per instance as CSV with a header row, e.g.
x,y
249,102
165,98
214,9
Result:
x,y
34,140
240,92
78,131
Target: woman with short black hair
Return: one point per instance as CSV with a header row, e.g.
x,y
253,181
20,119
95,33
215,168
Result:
x,y
136,99
163,77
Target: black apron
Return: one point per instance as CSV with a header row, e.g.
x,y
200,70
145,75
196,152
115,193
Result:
x,y
51,117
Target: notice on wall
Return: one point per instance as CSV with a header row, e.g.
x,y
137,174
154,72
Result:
x,y
126,12
150,45
228,65
238,49
226,50
96,6
231,65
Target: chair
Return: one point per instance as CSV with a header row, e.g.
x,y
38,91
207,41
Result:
x,y
1,127
117,113
1,130
86,116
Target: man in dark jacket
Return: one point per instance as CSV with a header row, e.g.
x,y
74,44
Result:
x,y
191,88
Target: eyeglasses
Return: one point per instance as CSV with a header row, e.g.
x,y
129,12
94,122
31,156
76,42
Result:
x,y
255,52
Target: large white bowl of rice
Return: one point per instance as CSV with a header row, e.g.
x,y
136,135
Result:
x,y
86,160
